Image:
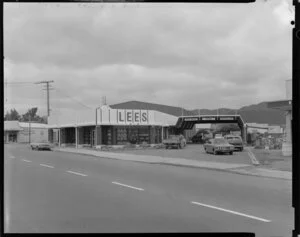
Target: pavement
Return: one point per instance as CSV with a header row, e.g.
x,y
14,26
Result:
x,y
240,168
64,192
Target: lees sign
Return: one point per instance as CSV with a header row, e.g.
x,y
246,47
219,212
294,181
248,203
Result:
x,y
132,116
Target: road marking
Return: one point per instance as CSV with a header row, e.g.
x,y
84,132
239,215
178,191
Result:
x,y
49,166
140,189
26,160
233,212
12,157
72,172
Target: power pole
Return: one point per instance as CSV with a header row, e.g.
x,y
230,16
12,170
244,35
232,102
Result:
x,y
295,117
48,96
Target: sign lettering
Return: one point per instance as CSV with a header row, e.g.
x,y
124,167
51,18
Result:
x,y
227,118
129,116
208,118
191,119
134,116
144,117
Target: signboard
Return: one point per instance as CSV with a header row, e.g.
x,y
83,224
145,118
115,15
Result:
x,y
209,118
132,116
191,119
226,118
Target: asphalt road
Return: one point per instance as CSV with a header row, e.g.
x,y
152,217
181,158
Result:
x,y
51,192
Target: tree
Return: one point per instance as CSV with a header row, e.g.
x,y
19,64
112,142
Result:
x,y
12,115
31,115
227,128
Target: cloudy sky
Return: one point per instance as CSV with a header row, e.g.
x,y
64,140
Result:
x,y
189,55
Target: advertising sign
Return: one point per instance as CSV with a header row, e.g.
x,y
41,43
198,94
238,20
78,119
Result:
x,y
191,119
226,118
209,118
132,116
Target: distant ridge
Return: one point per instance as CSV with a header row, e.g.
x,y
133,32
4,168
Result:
x,y
256,113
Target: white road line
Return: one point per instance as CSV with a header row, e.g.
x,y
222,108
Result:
x,y
72,172
49,166
233,212
12,157
140,189
26,160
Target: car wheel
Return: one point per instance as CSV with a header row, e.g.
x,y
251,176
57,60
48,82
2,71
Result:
x,y
231,153
241,149
167,147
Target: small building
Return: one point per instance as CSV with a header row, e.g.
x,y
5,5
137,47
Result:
x,y
21,132
286,105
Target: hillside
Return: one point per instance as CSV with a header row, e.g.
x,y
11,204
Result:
x,y
257,113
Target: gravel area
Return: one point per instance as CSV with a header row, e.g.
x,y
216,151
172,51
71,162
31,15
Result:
x,y
273,159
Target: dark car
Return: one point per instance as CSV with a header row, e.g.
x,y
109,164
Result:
x,y
218,145
40,146
236,141
199,138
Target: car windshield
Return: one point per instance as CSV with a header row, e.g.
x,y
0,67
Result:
x,y
220,141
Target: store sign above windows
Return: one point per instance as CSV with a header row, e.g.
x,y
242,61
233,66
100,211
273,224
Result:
x,y
126,117
132,116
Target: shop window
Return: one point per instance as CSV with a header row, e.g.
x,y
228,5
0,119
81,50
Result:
x,y
143,135
121,136
133,135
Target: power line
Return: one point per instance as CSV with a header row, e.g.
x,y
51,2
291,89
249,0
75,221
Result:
x,y
60,91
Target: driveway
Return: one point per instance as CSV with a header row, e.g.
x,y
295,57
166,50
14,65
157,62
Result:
x,y
191,152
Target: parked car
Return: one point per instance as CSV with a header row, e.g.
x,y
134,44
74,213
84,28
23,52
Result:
x,y
41,146
218,145
236,141
177,141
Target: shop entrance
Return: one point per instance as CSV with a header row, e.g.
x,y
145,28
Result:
x,y
12,137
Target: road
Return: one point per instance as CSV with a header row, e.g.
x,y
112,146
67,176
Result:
x,y
51,192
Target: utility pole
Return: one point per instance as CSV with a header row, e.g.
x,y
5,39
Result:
x,y
29,129
295,117
48,97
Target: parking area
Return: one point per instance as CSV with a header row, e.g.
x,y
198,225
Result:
x,y
273,159
193,152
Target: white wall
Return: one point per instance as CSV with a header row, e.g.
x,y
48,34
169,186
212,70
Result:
x,y
36,135
288,87
107,116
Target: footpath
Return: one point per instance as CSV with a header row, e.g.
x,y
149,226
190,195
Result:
x,y
227,167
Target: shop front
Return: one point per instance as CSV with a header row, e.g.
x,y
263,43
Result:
x,y
113,127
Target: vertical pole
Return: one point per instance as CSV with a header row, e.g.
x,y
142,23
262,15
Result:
x,y
48,103
96,129
295,118
29,129
76,136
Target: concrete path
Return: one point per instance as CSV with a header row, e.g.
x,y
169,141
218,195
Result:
x,y
236,168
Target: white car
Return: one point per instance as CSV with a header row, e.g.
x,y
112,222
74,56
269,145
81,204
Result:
x,y
41,146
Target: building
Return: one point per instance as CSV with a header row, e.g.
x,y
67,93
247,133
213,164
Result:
x,y
130,122
286,105
19,132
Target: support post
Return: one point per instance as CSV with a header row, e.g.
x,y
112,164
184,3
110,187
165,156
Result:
x,y
76,137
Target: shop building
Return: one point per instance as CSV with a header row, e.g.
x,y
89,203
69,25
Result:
x,y
286,105
131,122
20,132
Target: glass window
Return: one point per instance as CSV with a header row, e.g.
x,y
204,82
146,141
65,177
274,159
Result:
x,y
143,135
121,136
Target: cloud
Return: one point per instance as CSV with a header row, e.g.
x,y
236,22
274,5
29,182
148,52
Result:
x,y
176,54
